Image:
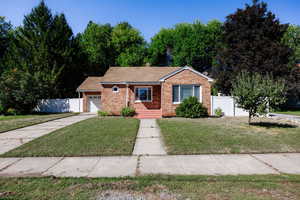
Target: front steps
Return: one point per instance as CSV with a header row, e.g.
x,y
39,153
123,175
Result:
x,y
148,114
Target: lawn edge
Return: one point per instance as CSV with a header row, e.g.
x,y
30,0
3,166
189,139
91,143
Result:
x,y
39,123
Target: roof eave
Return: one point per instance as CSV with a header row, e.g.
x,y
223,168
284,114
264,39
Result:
x,y
162,79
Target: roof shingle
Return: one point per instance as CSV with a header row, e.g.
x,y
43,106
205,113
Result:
x,y
136,74
91,83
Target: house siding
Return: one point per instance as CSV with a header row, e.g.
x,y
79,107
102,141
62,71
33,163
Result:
x,y
154,104
86,99
113,102
184,77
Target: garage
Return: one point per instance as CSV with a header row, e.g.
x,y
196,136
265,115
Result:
x,y
94,103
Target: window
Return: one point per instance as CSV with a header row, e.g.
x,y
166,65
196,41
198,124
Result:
x,y
181,92
143,94
115,89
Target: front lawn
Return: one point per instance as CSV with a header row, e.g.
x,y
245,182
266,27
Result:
x,y
154,187
92,137
8,123
229,135
289,112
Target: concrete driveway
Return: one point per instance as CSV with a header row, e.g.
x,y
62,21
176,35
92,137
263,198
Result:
x,y
13,139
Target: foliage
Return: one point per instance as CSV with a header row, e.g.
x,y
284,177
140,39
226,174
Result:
x,y
191,108
252,42
95,42
20,90
5,38
186,44
292,39
127,112
128,44
11,111
1,109
256,93
103,113
45,45
218,112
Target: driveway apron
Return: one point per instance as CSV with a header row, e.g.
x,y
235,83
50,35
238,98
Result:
x,y
13,139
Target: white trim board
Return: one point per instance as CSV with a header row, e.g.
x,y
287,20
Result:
x,y
182,69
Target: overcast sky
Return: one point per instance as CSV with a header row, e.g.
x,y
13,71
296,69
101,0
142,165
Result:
x,y
149,16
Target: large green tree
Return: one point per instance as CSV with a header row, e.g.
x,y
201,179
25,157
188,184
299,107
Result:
x,y
128,44
252,42
5,39
96,44
186,44
45,46
292,39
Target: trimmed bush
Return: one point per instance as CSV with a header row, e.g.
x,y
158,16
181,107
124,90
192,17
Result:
x,y
102,113
11,111
127,112
191,108
218,112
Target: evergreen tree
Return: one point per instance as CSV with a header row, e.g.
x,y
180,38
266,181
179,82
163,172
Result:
x,y
5,39
43,46
252,43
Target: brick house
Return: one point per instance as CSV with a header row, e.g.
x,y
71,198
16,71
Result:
x,y
151,91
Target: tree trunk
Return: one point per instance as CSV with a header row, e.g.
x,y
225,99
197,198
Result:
x,y
249,118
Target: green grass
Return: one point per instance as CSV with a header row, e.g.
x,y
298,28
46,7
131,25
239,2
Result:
x,y
289,112
179,187
92,137
229,135
8,123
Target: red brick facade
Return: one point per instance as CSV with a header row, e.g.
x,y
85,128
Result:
x,y
85,99
113,102
184,77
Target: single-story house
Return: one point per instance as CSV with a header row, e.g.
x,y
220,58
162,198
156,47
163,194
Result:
x,y
151,91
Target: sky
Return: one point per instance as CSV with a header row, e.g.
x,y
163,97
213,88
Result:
x,y
148,16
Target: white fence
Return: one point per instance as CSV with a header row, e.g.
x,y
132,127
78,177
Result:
x,y
228,106
60,105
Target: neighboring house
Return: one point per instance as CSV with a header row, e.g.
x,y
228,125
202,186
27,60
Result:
x,y
151,91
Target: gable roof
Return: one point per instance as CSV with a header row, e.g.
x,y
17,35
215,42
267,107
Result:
x,y
136,74
143,74
91,83
185,68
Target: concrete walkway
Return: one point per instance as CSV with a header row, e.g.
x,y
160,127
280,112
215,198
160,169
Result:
x,y
117,166
149,140
12,139
292,118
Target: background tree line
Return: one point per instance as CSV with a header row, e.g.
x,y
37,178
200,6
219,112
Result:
x,y
43,58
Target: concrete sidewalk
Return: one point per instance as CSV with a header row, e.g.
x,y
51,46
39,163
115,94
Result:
x,y
118,166
13,139
149,140
292,118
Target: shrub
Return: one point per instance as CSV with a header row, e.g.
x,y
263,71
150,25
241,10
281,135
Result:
x,y
191,108
11,111
102,113
1,109
127,112
218,112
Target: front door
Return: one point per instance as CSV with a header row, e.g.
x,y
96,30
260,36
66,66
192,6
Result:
x,y
94,101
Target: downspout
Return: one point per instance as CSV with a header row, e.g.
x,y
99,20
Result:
x,y
126,100
79,101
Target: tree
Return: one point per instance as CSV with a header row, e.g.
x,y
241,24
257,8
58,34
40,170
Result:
x,y
128,44
292,39
186,44
20,91
257,94
45,45
95,42
252,42
5,38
